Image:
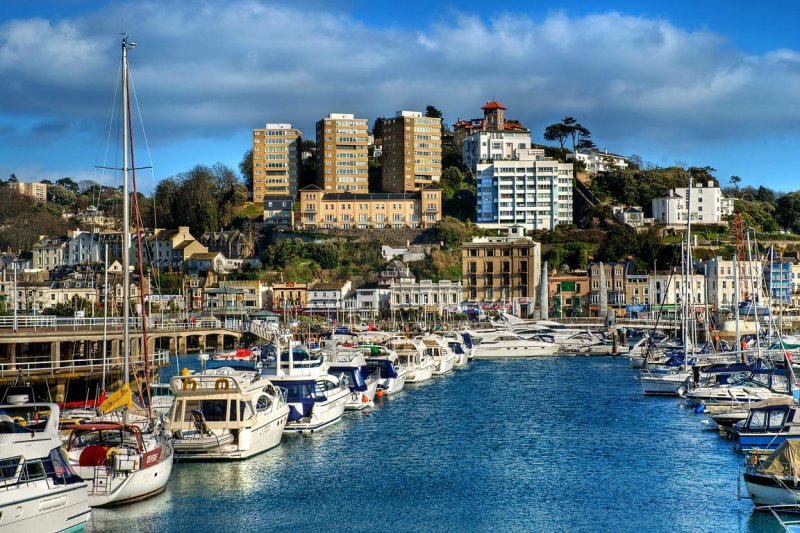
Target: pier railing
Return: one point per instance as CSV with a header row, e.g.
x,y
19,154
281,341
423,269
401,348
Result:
x,y
114,323
42,366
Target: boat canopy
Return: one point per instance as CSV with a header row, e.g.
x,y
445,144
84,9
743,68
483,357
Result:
x,y
383,366
784,461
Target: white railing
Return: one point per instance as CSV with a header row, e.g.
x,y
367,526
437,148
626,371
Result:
x,y
41,365
97,324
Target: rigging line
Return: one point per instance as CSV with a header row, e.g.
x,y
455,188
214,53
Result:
x,y
143,313
110,127
146,144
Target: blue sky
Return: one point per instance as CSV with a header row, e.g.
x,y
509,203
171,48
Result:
x,y
702,83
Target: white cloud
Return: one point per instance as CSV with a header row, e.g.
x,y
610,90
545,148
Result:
x,y
212,69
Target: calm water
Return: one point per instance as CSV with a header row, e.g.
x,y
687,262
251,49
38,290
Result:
x,y
560,444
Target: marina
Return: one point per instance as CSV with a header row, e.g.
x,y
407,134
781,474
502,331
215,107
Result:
x,y
438,453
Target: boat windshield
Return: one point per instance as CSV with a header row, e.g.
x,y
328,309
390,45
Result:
x,y
767,420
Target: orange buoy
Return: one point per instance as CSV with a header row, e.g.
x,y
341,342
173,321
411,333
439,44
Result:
x,y
379,393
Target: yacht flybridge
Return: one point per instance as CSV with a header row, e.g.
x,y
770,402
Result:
x,y
40,490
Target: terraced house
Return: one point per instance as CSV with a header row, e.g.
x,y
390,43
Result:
x,y
321,210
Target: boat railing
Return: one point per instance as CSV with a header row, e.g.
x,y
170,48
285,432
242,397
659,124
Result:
x,y
46,365
205,383
283,393
28,472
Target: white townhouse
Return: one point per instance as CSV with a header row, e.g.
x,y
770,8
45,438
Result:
x,y
709,206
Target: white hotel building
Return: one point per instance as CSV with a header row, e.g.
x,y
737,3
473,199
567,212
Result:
x,y
709,206
529,190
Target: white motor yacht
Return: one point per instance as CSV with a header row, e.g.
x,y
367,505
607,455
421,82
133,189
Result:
x,y
443,357
672,383
316,398
386,364
351,368
504,344
411,353
40,490
225,414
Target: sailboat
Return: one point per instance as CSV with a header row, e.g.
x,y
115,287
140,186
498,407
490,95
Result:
x,y
674,381
120,462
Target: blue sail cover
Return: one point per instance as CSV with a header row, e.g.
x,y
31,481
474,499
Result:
x,y
386,367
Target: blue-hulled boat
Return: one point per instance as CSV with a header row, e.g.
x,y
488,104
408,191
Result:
x,y
315,397
767,427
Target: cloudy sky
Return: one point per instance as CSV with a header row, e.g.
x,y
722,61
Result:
x,y
699,83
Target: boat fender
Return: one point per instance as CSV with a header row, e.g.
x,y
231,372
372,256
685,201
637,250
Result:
x,y
379,394
364,398
221,383
699,408
190,384
754,460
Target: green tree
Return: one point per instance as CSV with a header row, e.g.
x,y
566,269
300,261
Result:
x,y
451,182
557,133
621,240
433,112
787,211
246,169
452,232
58,194
735,181
377,128
69,183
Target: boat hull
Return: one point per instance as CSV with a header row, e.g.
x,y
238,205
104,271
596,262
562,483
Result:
x,y
65,509
120,489
265,435
503,352
668,385
391,386
322,414
420,374
769,490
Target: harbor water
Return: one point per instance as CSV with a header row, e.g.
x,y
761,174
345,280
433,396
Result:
x,y
551,444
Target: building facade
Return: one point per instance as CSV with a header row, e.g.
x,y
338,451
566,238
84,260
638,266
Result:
x,y
342,143
530,190
321,210
411,152
721,281
709,206
327,298
37,191
276,161
494,120
425,296
596,161
501,269
289,297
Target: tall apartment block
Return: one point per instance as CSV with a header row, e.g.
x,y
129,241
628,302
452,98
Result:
x,y
412,152
342,153
276,161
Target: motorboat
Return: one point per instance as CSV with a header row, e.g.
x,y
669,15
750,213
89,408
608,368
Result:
x,y
728,416
737,384
507,344
351,368
316,398
775,480
224,413
412,355
120,463
392,373
239,354
671,383
41,491
443,357
765,428
461,345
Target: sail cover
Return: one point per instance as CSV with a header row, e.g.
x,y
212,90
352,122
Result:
x,y
784,461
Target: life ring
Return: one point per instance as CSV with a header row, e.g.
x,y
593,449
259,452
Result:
x,y
112,452
222,383
191,382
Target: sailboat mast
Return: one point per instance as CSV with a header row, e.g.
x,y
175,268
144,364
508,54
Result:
x,y
687,264
126,231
